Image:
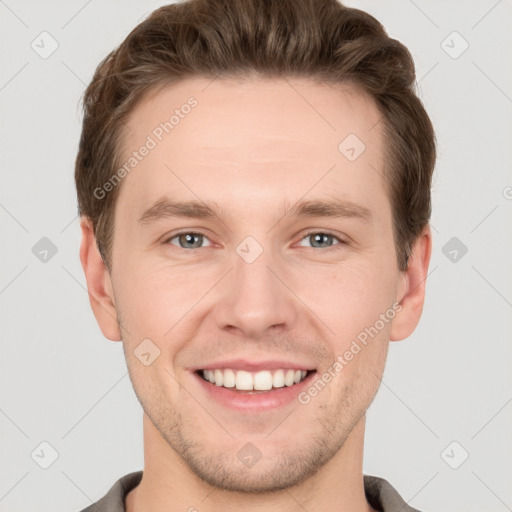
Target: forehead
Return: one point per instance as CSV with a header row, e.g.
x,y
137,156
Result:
x,y
282,135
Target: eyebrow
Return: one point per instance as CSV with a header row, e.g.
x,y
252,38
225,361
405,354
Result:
x,y
330,208
166,208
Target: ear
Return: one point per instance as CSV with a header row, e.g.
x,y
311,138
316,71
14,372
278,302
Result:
x,y
99,285
411,287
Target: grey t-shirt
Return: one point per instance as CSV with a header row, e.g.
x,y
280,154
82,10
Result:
x,y
379,493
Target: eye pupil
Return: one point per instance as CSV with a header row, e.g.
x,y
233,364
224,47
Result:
x,y
187,238
319,236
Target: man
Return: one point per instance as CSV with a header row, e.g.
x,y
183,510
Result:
x,y
254,187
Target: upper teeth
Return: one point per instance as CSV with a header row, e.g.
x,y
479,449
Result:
x,y
258,381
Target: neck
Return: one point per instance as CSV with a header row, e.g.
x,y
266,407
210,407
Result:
x,y
169,485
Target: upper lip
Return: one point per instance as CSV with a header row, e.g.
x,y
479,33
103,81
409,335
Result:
x,y
255,366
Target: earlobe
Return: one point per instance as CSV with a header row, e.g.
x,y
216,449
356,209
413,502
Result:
x,y
99,286
411,288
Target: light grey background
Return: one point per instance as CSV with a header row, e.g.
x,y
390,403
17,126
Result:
x,y
63,383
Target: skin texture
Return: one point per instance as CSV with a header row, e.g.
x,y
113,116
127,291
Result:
x,y
255,147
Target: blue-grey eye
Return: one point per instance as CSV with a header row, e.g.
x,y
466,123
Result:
x,y
321,240
189,240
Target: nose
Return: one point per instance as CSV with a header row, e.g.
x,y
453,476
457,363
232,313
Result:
x,y
255,298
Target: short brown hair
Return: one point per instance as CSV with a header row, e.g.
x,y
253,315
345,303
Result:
x,y
317,39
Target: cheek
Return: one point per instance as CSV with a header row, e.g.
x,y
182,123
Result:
x,y
349,298
350,301
154,298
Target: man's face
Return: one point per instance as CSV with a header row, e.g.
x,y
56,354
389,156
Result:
x,y
255,283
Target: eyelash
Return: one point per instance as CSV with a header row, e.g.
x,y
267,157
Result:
x,y
332,247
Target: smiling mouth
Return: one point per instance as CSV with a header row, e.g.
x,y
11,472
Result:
x,y
242,381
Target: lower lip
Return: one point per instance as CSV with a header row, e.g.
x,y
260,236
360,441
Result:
x,y
254,402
